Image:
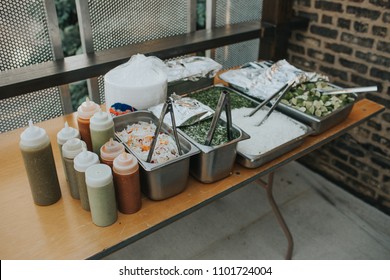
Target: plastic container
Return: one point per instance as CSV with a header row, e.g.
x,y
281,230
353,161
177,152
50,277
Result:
x,y
84,113
102,129
110,150
138,84
82,161
39,162
101,194
64,135
127,183
70,150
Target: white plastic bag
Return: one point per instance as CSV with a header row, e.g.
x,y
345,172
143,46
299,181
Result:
x,y
137,84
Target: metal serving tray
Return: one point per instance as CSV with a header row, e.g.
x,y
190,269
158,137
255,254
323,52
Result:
x,y
254,161
318,124
214,163
159,180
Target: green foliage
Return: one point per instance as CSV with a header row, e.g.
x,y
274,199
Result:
x,y
201,14
71,44
68,23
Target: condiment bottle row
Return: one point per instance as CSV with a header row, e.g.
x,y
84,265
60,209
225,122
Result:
x,y
102,184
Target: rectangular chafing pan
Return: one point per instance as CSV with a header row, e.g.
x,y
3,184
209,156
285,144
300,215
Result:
x,y
319,124
254,161
159,180
214,163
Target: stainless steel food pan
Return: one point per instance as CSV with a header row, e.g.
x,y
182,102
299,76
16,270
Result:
x,y
254,161
214,163
319,124
159,180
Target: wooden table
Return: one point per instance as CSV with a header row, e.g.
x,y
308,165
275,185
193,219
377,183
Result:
x,y
65,231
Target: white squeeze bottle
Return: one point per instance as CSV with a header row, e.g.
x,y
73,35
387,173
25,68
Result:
x,y
40,166
64,135
70,150
84,113
82,161
102,129
101,194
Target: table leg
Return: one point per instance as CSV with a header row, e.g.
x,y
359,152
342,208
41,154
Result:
x,y
268,187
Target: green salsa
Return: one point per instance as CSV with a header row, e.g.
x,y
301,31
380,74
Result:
x,y
198,132
210,97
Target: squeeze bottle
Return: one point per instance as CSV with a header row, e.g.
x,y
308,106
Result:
x,y
84,113
127,183
102,129
64,135
110,150
101,194
82,161
39,162
70,150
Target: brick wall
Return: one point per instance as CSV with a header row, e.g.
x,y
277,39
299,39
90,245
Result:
x,y
349,40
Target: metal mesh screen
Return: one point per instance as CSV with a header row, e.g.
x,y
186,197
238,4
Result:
x,y
24,40
122,22
237,54
39,106
24,37
232,12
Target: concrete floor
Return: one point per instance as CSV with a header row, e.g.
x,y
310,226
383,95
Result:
x,y
326,222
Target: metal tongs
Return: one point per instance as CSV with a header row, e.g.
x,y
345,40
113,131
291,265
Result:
x,y
282,91
223,103
167,107
348,90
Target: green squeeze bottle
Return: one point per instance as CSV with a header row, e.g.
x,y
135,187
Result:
x,y
39,162
102,129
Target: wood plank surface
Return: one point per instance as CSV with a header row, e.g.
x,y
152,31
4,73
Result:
x,y
65,231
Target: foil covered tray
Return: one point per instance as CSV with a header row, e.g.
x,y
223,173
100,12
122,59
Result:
x,y
260,80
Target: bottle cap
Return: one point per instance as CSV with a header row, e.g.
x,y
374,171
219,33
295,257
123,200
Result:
x,y
125,164
72,148
87,109
33,136
84,160
101,121
98,175
111,149
67,133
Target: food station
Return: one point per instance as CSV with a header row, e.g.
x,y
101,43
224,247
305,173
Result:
x,y
193,146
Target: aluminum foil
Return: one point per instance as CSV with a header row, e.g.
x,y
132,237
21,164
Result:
x,y
262,82
187,111
192,68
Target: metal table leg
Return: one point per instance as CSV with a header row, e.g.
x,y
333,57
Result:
x,y
268,187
